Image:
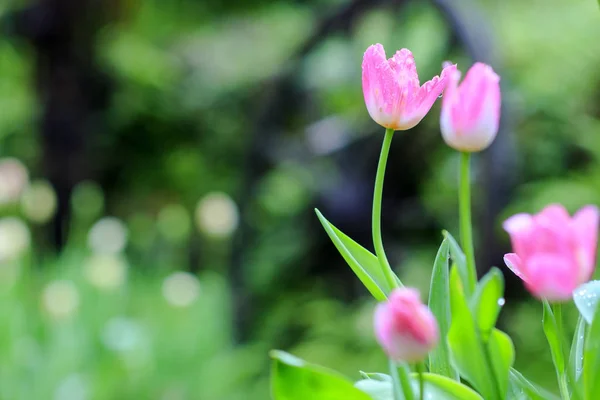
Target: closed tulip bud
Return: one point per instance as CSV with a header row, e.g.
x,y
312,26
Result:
x,y
405,327
393,95
471,111
553,253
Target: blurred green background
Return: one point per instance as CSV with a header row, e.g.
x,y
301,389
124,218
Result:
x,y
161,162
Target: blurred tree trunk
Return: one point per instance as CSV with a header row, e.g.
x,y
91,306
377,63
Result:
x,y
72,91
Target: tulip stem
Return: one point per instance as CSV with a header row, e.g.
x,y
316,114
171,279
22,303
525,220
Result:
x,y
420,367
562,376
391,278
401,382
466,228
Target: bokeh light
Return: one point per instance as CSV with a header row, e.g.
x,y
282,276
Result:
x,y
105,271
39,202
217,215
60,299
181,289
108,236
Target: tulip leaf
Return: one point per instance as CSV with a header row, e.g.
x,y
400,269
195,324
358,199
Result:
x,y
586,299
460,260
295,379
551,331
376,376
364,264
488,301
439,303
522,389
435,387
577,351
378,390
502,356
591,360
467,351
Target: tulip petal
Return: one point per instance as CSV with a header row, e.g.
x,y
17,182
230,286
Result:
x,y
384,327
520,227
554,215
513,262
432,89
379,85
551,276
585,226
471,111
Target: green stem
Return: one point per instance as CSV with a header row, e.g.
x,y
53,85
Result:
x,y
490,363
420,367
377,197
466,228
562,377
401,381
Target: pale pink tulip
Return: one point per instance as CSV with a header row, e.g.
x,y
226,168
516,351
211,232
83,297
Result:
x,y
392,91
405,327
471,111
553,253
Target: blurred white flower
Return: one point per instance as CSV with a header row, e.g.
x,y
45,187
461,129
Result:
x,y
181,289
174,222
13,180
14,238
72,387
60,299
122,334
217,215
105,271
108,236
39,202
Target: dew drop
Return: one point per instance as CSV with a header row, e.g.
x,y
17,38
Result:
x,y
501,301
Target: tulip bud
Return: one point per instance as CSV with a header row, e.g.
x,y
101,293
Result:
x,y
471,112
405,327
553,253
393,95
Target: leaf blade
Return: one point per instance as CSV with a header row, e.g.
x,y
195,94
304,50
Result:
x,y
368,273
439,303
295,379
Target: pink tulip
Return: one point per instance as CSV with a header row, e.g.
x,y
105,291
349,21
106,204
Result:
x,y
554,253
392,91
471,111
405,327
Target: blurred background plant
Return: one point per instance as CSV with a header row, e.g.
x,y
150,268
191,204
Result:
x,y
161,161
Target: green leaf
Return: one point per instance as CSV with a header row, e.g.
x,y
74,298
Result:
x,y
295,379
376,376
586,299
577,350
502,356
439,303
466,348
591,360
378,390
364,264
488,301
551,329
459,259
522,389
436,387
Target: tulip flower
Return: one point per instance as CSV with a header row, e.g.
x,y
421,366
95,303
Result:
x,y
471,110
393,95
553,253
405,327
